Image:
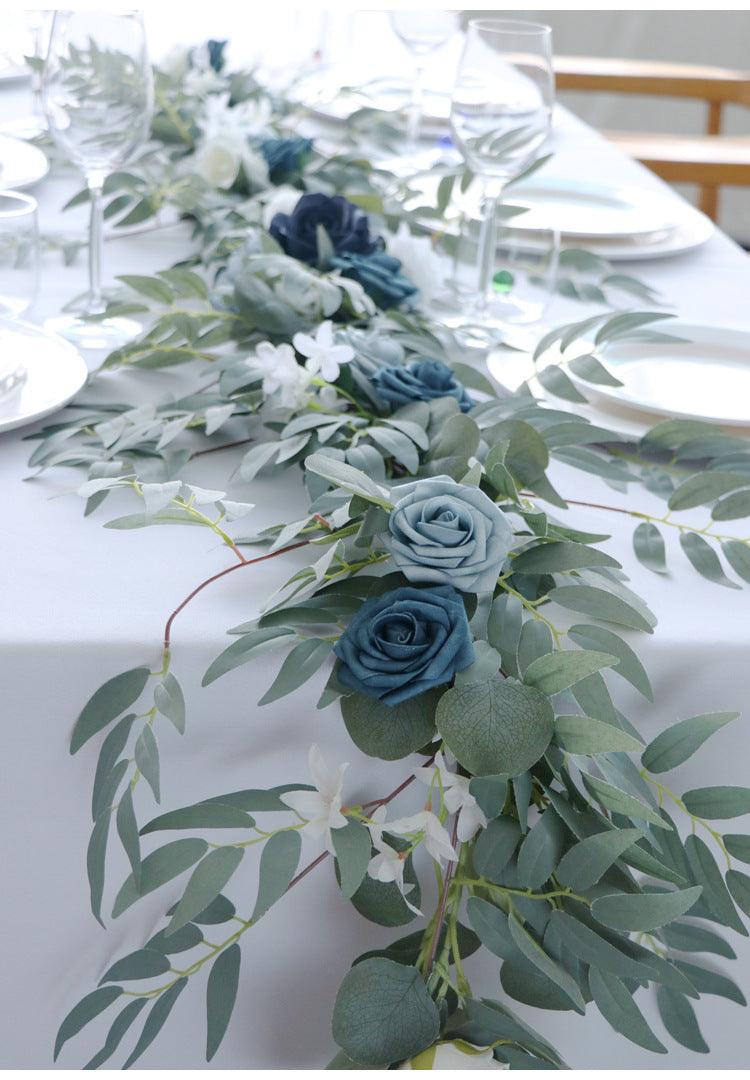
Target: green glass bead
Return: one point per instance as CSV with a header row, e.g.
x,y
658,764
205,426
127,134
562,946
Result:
x,y
502,282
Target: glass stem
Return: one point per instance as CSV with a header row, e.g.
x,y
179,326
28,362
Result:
x,y
95,304
487,244
414,116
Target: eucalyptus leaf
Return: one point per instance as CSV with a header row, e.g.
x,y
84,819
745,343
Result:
x,y
206,882
644,911
111,699
221,993
390,732
648,544
680,1020
718,802
586,862
679,742
536,955
561,669
156,1019
616,1004
86,1010
278,864
158,868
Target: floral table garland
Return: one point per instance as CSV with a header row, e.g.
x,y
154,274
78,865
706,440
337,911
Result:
x,y
432,596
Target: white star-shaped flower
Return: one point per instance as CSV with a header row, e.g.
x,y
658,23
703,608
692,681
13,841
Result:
x,y
324,357
457,798
321,808
388,864
281,373
436,839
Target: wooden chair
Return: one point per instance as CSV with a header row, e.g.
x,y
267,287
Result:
x,y
708,160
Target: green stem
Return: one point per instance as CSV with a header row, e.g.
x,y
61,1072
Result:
x,y
663,791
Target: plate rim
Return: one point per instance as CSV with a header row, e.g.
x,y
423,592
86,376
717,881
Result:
x,y
25,181
31,418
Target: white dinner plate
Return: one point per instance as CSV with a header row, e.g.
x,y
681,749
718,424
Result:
x,y
324,96
706,377
51,372
21,164
580,209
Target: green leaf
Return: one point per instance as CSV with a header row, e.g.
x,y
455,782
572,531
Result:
x,y
390,732
739,887
170,701
615,1003
584,735
141,964
648,544
585,863
147,759
221,993
737,555
85,1011
590,600
644,911
680,741
299,666
561,669
158,868
211,814
107,792
186,282
352,845
620,802
206,882
278,864
536,955
495,1018
150,287
560,556
112,747
490,924
589,368
495,726
738,846
95,858
711,982
691,937
554,379
736,505
384,1013
381,901
490,793
107,703
155,1020
704,487
704,559
593,949
716,898
494,847
350,479
718,802
121,1025
127,830
182,940
239,652
540,851
678,1017
220,910
628,666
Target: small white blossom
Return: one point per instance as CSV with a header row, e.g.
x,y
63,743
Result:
x,y
457,798
201,82
420,262
436,839
223,147
281,373
321,808
455,1055
324,357
388,865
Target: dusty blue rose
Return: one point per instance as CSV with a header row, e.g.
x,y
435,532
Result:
x,y
421,380
215,51
346,226
379,274
442,532
406,642
285,158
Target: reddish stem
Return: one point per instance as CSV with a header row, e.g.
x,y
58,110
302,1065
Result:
x,y
450,870
221,574
225,446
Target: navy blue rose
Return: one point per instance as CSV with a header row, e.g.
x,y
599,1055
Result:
x,y
215,51
404,643
346,226
285,158
379,275
421,380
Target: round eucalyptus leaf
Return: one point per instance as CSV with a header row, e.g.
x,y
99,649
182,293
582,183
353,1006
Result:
x,y
496,726
384,1013
390,732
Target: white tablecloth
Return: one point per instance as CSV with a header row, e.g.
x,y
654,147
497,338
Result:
x,y
80,604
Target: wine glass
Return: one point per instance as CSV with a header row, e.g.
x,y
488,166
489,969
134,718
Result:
x,y
97,91
501,112
421,32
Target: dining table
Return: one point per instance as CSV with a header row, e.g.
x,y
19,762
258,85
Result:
x,y
80,603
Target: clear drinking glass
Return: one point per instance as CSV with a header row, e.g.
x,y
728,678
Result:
x,y
501,112
97,91
421,32
19,253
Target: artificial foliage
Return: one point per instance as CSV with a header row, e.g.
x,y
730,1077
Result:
x,y
469,636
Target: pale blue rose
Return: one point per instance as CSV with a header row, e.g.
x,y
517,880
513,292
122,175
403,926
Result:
x,y
442,532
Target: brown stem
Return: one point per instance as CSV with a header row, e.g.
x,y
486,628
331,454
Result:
x,y
450,870
221,574
226,446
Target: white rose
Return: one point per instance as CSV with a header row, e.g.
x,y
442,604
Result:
x,y
282,201
421,263
454,1055
218,161
175,61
